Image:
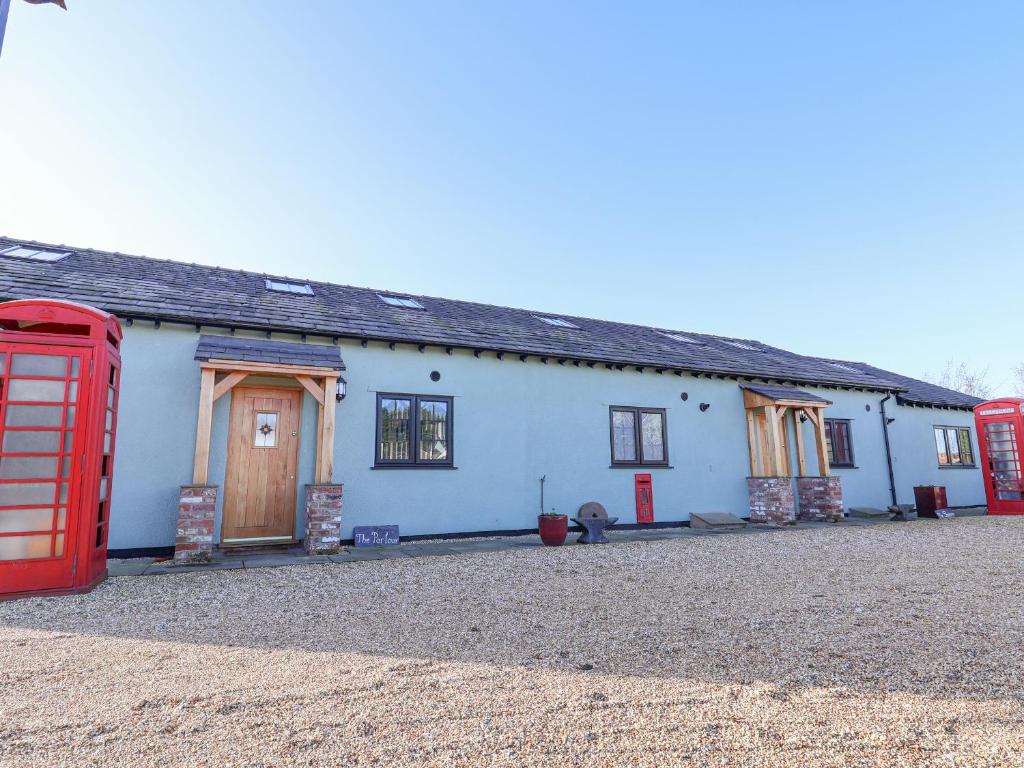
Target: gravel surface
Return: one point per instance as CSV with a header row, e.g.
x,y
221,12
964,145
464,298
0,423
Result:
x,y
892,645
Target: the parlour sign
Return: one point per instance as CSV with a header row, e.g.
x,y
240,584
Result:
x,y
375,535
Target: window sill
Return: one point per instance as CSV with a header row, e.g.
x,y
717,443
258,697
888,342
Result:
x,y
958,466
413,466
843,466
640,466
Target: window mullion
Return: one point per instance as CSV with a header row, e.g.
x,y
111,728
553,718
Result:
x,y
414,430
638,449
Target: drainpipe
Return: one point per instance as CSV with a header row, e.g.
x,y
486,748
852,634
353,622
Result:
x,y
888,449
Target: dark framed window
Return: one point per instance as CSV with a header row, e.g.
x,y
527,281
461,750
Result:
x,y
413,431
953,446
839,441
638,436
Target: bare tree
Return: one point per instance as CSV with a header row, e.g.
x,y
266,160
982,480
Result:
x,y
1018,380
958,377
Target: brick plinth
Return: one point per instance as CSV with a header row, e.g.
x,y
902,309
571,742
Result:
x,y
771,499
323,519
197,506
821,498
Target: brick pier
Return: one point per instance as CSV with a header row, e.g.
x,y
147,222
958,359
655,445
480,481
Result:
x,y
197,506
323,519
771,499
821,498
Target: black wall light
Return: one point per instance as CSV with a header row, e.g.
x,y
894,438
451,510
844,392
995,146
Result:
x,y
435,375
341,390
684,396
803,418
704,407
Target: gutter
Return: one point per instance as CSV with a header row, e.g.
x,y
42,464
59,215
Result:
x,y
888,448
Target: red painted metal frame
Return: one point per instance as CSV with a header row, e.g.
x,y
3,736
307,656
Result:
x,y
59,328
644,493
1000,427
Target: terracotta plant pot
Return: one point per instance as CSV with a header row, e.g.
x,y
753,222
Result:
x,y
553,529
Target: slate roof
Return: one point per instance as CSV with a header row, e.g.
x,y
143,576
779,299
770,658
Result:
x,y
921,392
784,393
266,351
143,288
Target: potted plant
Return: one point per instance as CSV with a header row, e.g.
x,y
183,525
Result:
x,y
553,528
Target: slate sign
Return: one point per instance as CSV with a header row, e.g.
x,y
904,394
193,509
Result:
x,y
375,535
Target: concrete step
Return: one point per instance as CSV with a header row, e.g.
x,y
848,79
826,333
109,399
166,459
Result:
x,y
716,520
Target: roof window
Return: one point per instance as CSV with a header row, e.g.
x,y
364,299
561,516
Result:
x,y
285,287
31,252
399,301
679,337
842,367
556,321
741,345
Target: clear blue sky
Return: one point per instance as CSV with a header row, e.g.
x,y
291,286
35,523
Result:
x,y
841,179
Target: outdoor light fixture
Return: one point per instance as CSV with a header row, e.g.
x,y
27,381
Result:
x,y
704,406
803,418
889,420
341,390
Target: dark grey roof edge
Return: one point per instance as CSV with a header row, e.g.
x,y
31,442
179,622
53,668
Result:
x,y
788,393
267,351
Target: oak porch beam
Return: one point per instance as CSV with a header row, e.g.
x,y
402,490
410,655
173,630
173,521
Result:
x,y
312,387
822,445
204,426
773,464
228,383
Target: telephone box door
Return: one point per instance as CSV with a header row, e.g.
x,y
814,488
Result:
x,y
42,418
999,425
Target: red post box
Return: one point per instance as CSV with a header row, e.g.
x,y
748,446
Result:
x,y
644,498
1000,426
59,379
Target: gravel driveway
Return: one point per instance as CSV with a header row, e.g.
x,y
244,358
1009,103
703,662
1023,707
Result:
x,y
883,645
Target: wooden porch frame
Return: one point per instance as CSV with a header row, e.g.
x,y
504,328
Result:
x,y
319,382
773,461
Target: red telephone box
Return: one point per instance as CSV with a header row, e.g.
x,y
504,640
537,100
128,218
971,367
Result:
x,y
59,377
1000,425
644,498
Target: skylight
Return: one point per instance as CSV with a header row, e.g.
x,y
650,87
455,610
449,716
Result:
x,y
286,287
842,367
399,301
31,252
741,345
556,321
679,337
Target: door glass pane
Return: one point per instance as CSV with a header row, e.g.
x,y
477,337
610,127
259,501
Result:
x,y
38,390
27,467
69,420
24,547
953,442
652,445
3,361
940,446
74,367
31,442
38,365
395,430
58,545
21,520
34,416
23,494
61,516
623,436
433,430
265,435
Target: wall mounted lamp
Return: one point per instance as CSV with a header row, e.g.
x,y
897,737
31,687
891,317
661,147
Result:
x,y
342,389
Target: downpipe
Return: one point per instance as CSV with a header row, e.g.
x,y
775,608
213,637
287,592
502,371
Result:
x,y
888,449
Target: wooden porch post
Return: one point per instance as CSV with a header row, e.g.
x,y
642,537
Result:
x,y
204,425
326,431
801,461
755,462
822,445
773,465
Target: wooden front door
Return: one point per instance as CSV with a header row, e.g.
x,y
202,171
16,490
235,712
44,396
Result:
x,y
263,454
